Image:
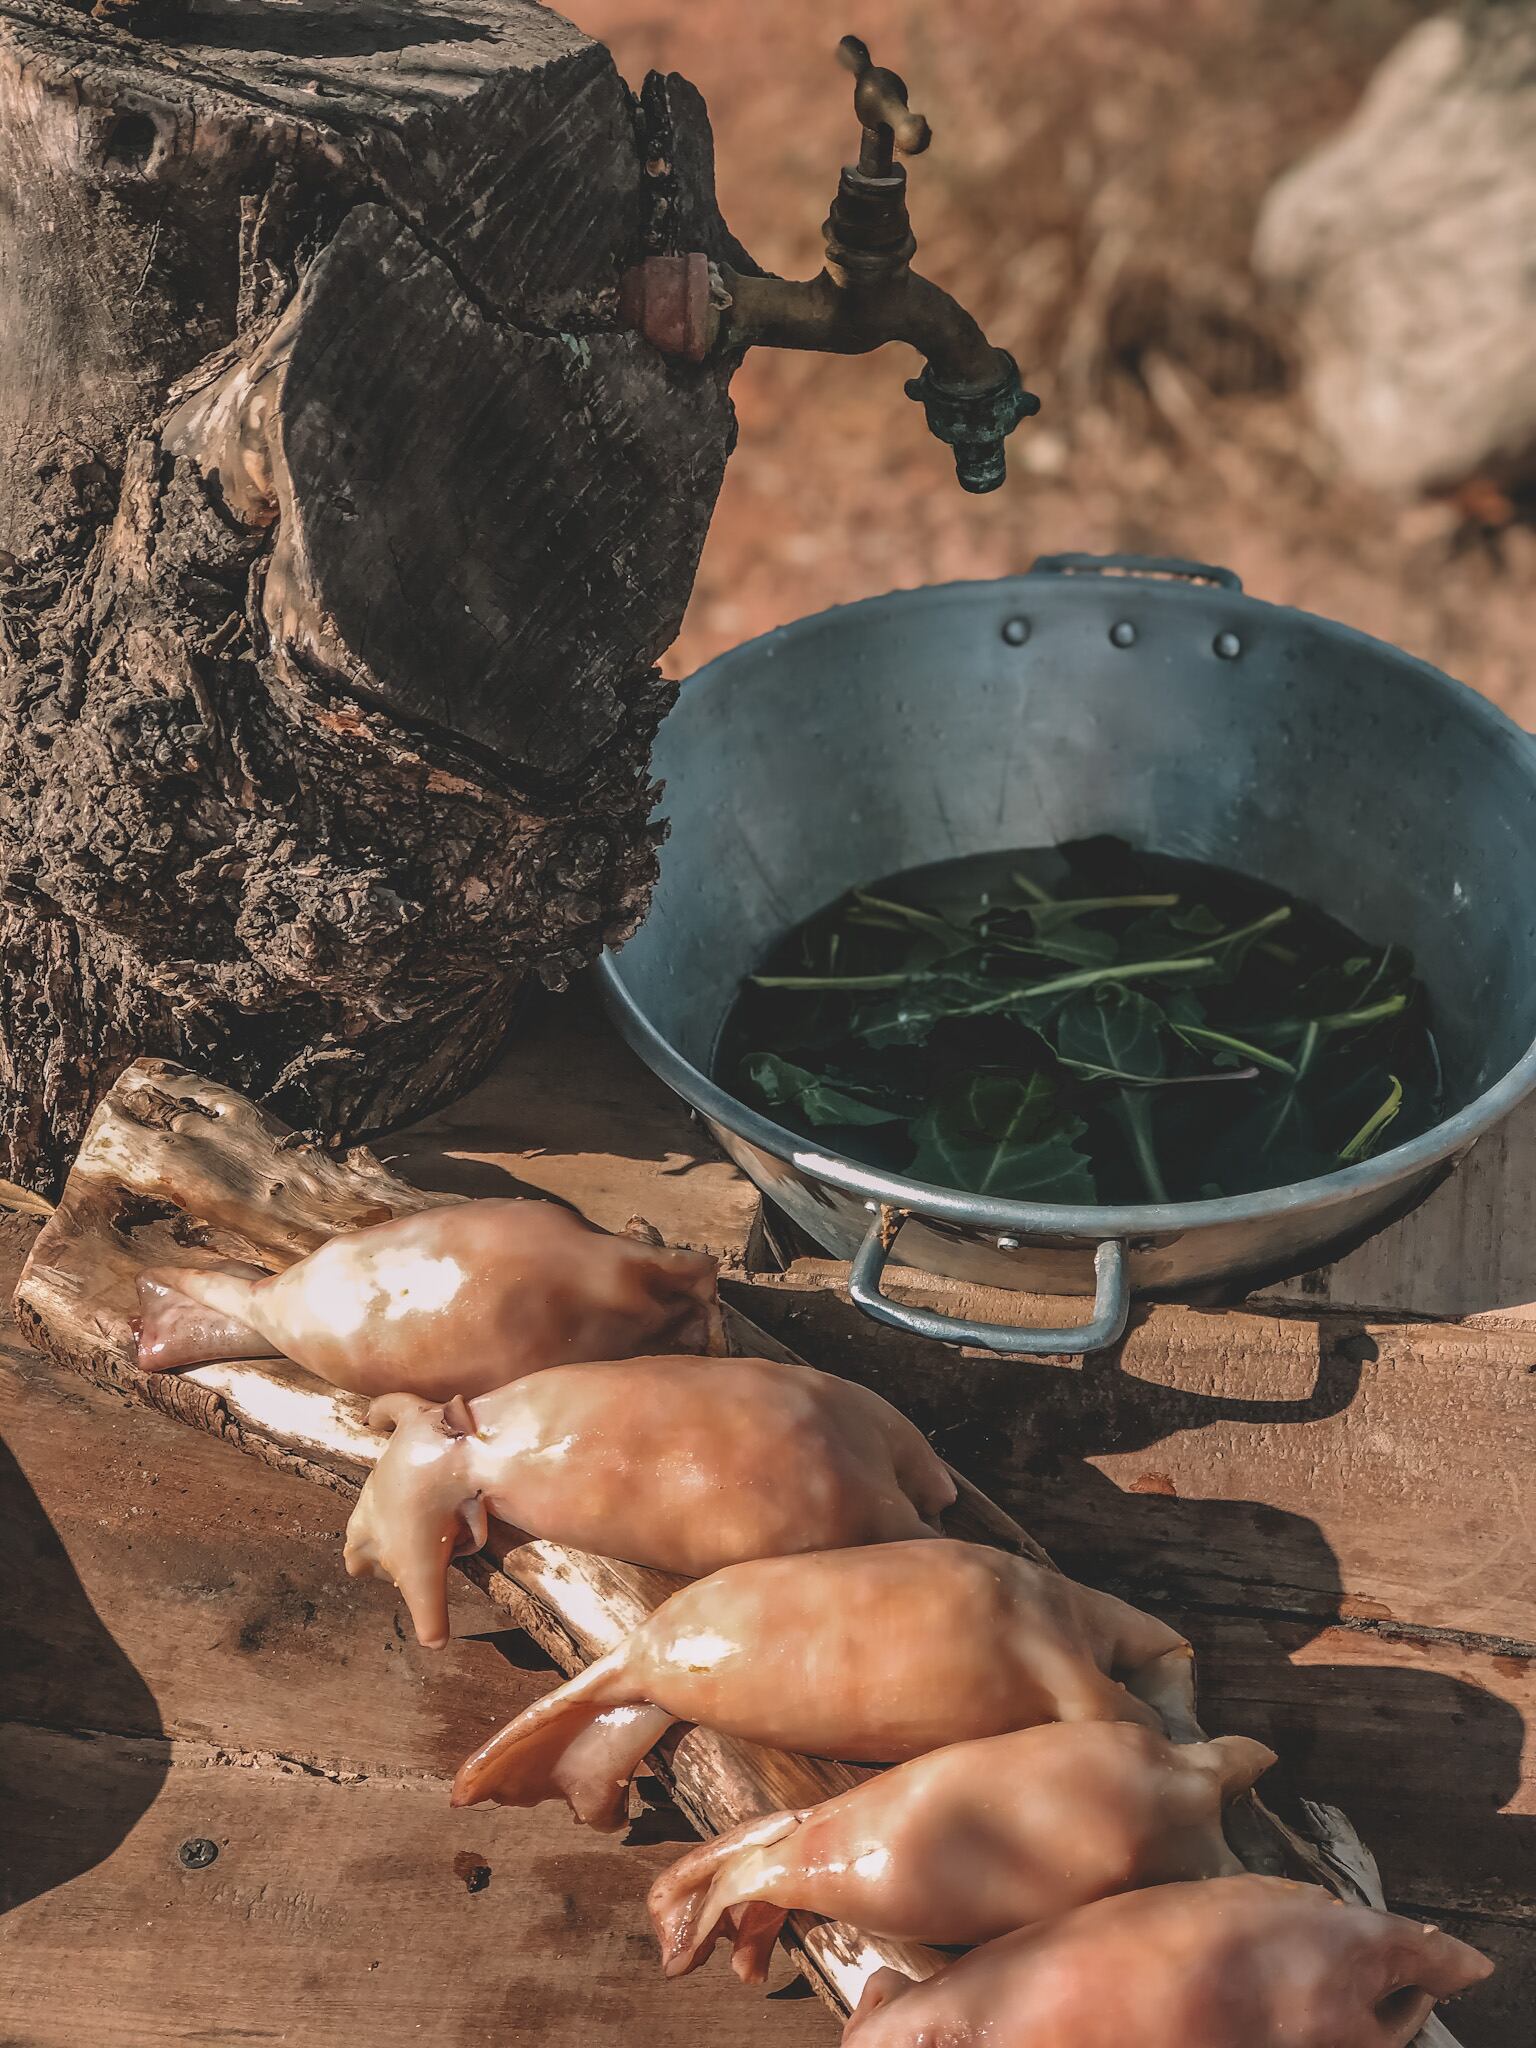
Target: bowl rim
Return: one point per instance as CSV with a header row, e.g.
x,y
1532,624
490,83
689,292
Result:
x,y
1056,1220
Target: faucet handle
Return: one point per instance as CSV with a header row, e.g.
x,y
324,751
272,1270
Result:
x,y
880,101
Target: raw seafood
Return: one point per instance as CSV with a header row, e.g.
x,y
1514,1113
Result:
x,y
874,1655
964,1844
1239,1962
451,1300
685,1464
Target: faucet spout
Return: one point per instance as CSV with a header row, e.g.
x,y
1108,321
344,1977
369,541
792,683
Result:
x,y
866,295
971,392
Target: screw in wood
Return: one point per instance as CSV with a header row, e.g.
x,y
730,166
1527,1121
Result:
x,y
197,1852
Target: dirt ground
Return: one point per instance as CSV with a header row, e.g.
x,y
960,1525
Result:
x,y
1096,172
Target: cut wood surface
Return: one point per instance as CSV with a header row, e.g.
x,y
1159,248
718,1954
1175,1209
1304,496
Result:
x,y
342,523
136,1189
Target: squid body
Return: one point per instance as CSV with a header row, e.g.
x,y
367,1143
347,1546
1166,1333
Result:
x,y
681,1463
452,1300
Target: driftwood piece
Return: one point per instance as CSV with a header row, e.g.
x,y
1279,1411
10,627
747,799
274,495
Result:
x,y
341,525
172,1162
1408,242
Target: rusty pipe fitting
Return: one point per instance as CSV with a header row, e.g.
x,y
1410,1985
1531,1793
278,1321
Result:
x,y
866,295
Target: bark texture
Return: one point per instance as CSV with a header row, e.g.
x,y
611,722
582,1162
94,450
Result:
x,y
1409,243
341,525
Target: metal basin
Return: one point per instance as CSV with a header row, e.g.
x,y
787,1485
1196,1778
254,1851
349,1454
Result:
x,y
1151,700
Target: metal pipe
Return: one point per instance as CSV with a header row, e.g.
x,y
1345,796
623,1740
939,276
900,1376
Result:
x,y
867,295
851,319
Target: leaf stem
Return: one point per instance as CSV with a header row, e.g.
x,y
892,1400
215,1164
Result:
x,y
1064,984
1137,1111
1228,1043
1075,906
1361,1143
1346,1020
1086,977
1244,931
834,980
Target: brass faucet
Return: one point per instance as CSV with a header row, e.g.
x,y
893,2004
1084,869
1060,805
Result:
x,y
866,295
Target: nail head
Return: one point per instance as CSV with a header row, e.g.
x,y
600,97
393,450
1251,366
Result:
x,y
1007,1244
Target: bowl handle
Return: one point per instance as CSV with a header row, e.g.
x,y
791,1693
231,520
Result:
x,y
1111,1303
1135,565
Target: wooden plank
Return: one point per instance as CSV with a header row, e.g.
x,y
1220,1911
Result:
x,y
568,1110
229,1620
75,1299
1290,1465
1470,1251
1454,1820
335,1913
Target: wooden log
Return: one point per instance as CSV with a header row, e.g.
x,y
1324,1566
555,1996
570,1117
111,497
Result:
x,y
172,1162
341,526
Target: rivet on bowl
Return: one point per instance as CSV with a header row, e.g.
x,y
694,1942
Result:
x,y
1016,631
1228,646
1123,633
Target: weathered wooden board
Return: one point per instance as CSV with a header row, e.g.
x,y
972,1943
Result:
x,y
1305,1425
137,1188
191,1604
568,1110
1469,1252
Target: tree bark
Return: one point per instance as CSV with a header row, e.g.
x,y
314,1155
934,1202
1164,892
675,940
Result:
x,y
341,525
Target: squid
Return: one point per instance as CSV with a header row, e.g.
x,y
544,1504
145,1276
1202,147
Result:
x,y
873,1655
965,1844
452,1300
1238,1962
681,1463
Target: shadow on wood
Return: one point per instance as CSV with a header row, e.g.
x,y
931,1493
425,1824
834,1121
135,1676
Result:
x,y
1417,1728
76,1680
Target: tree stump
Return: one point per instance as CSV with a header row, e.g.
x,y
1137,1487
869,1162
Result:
x,y
1409,245
341,525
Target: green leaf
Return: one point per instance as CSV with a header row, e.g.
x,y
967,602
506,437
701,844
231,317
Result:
x,y
1182,1007
1112,1034
911,1013
818,1098
1199,918
1000,1134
